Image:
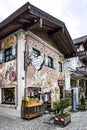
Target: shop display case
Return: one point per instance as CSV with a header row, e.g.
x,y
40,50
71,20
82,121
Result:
x,y
31,105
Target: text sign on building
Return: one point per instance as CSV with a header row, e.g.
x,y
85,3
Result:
x,y
61,82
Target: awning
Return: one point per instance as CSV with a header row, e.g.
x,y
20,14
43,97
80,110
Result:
x,y
76,74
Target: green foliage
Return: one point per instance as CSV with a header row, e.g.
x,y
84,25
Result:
x,y
67,94
64,103
82,100
63,114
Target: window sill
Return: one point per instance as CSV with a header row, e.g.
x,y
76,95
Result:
x,y
8,106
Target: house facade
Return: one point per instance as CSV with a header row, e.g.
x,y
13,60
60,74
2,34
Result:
x,y
32,53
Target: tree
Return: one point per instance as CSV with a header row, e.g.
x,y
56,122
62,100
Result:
x,y
61,105
82,100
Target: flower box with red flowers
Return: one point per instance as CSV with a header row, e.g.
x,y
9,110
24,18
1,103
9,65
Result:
x,y
63,119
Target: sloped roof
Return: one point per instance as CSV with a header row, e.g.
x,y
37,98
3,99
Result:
x,y
80,39
28,17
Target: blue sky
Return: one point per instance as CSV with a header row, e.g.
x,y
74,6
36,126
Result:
x,y
72,12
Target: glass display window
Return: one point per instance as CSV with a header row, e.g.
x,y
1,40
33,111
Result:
x,y
8,96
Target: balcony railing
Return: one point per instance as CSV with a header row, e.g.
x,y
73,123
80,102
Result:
x,y
82,69
82,55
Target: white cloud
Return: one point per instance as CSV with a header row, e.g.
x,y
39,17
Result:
x,y
52,7
3,10
72,26
72,13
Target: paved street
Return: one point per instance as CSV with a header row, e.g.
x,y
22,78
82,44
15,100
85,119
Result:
x,y
78,122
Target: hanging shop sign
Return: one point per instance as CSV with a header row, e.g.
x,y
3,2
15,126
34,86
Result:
x,y
37,62
61,82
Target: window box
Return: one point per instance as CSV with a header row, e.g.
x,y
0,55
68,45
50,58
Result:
x,y
63,119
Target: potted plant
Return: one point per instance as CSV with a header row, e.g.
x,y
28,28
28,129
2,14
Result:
x,y
83,104
63,117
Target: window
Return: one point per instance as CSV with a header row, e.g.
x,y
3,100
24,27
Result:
x,y
10,53
8,95
50,62
36,53
60,66
81,48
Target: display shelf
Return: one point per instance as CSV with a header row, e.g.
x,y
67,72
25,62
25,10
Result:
x,y
31,104
32,111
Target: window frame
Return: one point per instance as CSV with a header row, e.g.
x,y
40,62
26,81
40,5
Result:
x,y
50,62
36,52
8,53
4,96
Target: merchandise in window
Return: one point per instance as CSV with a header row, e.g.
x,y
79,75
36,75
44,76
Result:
x,y
8,96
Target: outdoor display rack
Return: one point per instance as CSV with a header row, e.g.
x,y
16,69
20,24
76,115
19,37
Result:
x,y
31,105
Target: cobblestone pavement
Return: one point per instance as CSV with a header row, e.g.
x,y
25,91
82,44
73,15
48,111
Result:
x,y
78,122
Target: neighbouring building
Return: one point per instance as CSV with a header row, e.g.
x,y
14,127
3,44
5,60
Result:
x,y
76,68
33,48
81,45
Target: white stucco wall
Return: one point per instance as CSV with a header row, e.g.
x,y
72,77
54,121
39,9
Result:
x,y
73,63
0,95
20,67
67,79
70,64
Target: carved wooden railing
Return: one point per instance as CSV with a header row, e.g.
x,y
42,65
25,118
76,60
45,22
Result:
x,y
82,55
82,69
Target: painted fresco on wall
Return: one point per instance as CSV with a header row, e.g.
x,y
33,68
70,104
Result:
x,y
41,80
46,78
55,92
46,84
8,76
9,41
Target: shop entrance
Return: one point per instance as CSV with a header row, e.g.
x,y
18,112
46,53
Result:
x,y
47,101
61,92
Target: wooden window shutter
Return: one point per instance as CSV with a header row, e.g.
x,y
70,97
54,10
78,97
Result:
x,y
54,63
46,59
2,56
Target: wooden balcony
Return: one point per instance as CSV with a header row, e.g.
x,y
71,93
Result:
x,y
82,55
82,69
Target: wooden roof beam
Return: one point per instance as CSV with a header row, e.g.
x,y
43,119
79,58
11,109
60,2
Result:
x,y
32,23
51,32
